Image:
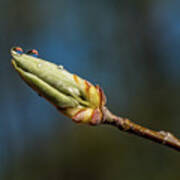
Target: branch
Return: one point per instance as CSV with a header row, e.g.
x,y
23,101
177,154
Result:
x,y
76,97
124,124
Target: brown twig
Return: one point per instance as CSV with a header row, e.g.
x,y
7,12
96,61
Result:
x,y
124,124
77,98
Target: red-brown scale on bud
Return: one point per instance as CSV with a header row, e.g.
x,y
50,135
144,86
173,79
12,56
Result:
x,y
102,96
78,116
76,78
96,117
87,87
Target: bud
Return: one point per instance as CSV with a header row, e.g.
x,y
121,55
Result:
x,y
72,95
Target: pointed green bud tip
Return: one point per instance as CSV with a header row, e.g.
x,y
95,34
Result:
x,y
70,94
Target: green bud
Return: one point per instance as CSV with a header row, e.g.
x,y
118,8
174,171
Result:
x,y
72,95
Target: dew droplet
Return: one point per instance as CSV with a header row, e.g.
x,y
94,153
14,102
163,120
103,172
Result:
x,y
70,90
73,91
59,84
60,67
39,65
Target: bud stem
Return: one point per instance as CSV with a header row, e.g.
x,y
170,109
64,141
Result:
x,y
124,124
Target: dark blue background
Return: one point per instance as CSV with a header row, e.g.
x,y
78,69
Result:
x,y
130,48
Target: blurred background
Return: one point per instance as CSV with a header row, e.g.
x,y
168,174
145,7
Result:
x,y
130,48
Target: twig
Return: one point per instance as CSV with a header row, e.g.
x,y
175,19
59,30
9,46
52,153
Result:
x,y
77,98
124,124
